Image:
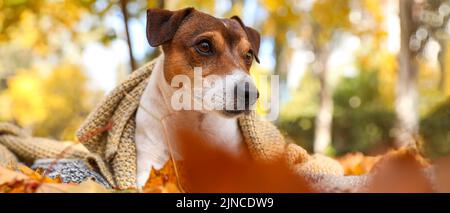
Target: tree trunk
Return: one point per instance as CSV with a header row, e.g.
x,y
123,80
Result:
x,y
280,65
442,63
281,69
123,7
324,118
161,4
406,94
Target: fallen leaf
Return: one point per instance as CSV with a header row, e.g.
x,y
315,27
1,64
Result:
x,y
88,186
162,181
357,163
37,174
401,171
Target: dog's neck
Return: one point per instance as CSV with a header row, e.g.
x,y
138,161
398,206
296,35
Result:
x,y
155,108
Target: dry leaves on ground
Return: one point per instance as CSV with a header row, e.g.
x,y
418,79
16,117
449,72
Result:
x,y
22,179
206,169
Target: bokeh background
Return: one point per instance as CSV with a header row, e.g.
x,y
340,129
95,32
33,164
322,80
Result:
x,y
356,75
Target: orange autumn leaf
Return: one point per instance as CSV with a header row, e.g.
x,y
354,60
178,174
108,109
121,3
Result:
x,y
163,180
87,186
22,179
37,174
19,186
206,168
357,163
401,171
16,182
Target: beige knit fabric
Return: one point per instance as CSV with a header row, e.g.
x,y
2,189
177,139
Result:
x,y
266,143
108,133
16,145
7,158
116,143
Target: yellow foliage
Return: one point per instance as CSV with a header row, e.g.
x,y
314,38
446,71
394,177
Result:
x,y
447,72
26,33
32,24
206,6
283,18
164,180
52,105
262,81
330,15
428,87
26,95
5,110
386,64
374,7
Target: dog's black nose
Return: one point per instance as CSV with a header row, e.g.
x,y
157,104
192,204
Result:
x,y
246,94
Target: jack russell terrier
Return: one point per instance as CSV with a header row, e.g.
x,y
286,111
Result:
x,y
224,48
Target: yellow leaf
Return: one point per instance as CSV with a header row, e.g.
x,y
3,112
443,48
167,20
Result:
x,y
163,180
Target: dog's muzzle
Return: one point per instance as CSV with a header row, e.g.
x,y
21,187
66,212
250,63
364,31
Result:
x,y
246,94
246,91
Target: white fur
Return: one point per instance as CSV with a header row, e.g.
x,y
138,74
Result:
x,y
220,91
151,144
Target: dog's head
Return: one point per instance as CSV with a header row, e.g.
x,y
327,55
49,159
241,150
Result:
x,y
224,49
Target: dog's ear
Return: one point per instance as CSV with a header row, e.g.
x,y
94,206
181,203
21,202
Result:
x,y
162,24
253,36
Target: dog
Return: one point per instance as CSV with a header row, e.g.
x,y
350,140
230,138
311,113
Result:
x,y
224,49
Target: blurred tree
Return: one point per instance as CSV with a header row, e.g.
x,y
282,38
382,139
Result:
x,y
327,23
41,42
124,9
406,101
32,24
138,9
421,23
322,28
434,20
132,9
364,105
33,98
284,18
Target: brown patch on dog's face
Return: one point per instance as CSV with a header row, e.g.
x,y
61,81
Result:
x,y
218,46
223,48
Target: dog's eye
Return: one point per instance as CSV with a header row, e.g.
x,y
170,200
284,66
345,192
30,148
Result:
x,y
204,47
249,57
